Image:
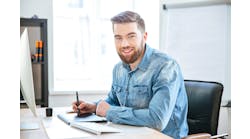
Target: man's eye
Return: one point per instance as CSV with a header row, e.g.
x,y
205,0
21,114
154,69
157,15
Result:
x,y
118,38
131,36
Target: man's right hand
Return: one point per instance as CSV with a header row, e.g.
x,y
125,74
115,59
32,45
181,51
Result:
x,y
84,107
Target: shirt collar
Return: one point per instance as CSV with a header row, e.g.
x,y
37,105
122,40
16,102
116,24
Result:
x,y
146,58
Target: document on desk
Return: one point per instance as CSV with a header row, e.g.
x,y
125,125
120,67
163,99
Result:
x,y
56,129
72,117
87,123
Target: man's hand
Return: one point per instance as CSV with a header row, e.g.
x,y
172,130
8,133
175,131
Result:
x,y
102,108
84,107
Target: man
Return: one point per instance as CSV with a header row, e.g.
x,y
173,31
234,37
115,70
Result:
x,y
147,88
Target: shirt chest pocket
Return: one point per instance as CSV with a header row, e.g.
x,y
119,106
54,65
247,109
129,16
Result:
x,y
139,97
120,94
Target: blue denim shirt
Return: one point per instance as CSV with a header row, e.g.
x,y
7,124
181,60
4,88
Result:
x,y
152,95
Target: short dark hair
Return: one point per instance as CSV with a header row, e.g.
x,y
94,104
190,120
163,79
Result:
x,y
128,17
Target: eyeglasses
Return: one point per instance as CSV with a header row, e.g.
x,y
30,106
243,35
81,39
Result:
x,y
131,38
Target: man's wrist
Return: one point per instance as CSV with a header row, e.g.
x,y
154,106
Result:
x,y
96,103
93,108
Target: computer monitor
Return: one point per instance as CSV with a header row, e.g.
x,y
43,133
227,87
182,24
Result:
x,y
26,79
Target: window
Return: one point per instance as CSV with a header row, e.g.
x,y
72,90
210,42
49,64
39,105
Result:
x,y
84,49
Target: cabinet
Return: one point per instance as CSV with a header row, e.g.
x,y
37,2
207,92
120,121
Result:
x,y
37,32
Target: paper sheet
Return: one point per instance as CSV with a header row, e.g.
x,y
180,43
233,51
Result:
x,y
56,129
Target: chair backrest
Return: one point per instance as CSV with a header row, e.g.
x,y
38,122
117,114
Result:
x,y
204,100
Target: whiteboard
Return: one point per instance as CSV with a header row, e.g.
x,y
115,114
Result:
x,y
199,39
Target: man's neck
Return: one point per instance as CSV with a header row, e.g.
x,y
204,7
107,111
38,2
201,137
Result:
x,y
133,65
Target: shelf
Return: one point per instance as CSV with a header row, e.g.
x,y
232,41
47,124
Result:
x,y
37,33
38,62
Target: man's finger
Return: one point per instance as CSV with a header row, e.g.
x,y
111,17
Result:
x,y
82,105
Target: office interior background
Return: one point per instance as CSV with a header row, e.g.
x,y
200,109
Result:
x,y
81,51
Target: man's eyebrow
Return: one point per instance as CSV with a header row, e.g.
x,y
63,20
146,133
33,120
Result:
x,y
117,36
131,33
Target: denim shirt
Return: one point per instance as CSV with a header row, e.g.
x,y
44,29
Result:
x,y
151,95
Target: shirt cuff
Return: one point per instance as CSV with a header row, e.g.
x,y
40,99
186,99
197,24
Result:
x,y
112,114
97,102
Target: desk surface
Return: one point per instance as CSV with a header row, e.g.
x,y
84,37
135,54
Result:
x,y
60,129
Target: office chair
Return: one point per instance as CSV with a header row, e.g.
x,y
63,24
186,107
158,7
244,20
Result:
x,y
204,100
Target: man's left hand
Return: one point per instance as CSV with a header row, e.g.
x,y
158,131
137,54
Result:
x,y
102,108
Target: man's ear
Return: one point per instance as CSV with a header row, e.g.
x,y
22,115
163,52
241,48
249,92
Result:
x,y
145,36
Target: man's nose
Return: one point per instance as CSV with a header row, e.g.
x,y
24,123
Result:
x,y
124,43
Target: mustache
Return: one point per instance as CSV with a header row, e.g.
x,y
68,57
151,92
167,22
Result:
x,y
126,47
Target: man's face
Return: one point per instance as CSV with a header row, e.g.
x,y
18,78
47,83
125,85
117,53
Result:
x,y
129,42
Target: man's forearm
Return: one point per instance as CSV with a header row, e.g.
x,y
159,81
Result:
x,y
139,117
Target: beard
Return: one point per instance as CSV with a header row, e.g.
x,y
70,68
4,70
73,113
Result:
x,y
129,59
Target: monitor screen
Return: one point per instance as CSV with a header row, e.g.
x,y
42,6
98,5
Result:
x,y
26,77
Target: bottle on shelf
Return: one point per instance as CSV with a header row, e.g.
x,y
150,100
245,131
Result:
x,y
38,57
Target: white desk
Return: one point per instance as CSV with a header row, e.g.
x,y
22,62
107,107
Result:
x,y
56,126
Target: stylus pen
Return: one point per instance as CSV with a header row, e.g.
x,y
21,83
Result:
x,y
77,104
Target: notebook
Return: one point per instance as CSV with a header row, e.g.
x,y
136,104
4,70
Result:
x,y
87,123
95,128
68,118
